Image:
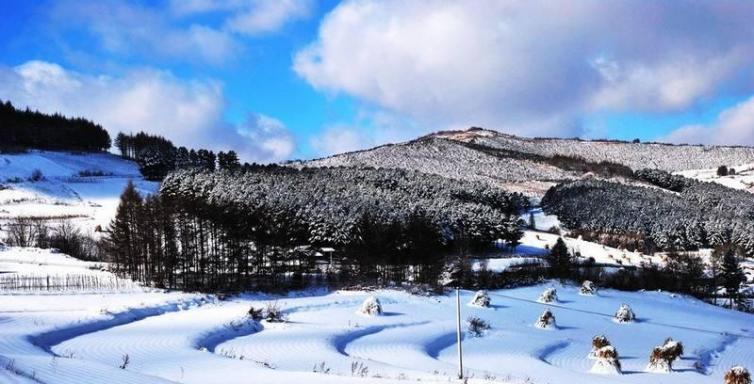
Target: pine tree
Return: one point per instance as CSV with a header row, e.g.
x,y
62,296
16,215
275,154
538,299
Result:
x,y
124,239
560,259
731,275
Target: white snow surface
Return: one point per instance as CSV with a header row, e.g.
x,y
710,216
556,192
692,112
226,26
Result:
x,y
65,192
743,179
188,338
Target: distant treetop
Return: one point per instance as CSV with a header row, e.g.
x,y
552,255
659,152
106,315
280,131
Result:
x,y
26,129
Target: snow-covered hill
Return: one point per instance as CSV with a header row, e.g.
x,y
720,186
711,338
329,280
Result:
x,y
666,157
529,165
57,185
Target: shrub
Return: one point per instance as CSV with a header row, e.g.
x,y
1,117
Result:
x,y
36,175
256,314
546,320
371,307
624,314
550,295
588,288
722,170
662,356
274,314
607,361
737,375
481,299
477,326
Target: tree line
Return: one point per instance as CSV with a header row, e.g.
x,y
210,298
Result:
x,y
157,156
27,129
672,214
268,226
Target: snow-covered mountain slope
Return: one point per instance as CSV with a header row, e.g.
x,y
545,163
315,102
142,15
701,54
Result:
x,y
454,160
80,186
634,155
192,339
531,165
743,178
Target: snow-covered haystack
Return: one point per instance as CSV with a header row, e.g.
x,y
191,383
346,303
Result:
x,y
550,295
624,314
597,343
607,361
371,307
546,320
662,356
588,288
480,299
737,375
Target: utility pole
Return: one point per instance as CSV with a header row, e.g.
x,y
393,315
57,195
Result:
x,y
458,332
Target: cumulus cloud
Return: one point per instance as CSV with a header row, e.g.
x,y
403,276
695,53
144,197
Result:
x,y
190,113
339,139
531,67
734,126
178,30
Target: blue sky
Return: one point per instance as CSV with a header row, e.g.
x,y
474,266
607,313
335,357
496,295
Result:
x,y
283,79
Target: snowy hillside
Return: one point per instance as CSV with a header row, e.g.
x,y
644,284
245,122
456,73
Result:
x,y
743,179
183,338
56,185
447,158
634,155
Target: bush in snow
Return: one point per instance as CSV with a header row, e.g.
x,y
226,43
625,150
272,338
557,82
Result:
x,y
256,314
481,299
548,296
588,288
624,314
737,375
662,356
273,313
607,361
371,307
546,320
477,326
597,343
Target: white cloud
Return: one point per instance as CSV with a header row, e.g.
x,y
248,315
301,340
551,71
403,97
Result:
x,y
734,126
531,67
268,137
189,113
264,16
339,139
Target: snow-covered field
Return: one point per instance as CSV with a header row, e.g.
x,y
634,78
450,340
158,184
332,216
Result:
x,y
743,179
84,187
173,337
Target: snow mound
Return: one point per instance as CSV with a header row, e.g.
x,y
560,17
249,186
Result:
x,y
371,307
624,314
550,295
480,299
607,362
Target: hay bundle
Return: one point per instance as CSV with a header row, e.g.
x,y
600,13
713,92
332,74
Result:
x,y
480,299
550,295
625,314
662,357
607,362
737,375
588,288
546,320
598,342
371,307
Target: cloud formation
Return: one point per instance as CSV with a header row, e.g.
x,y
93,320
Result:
x,y
530,67
734,126
178,30
189,113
